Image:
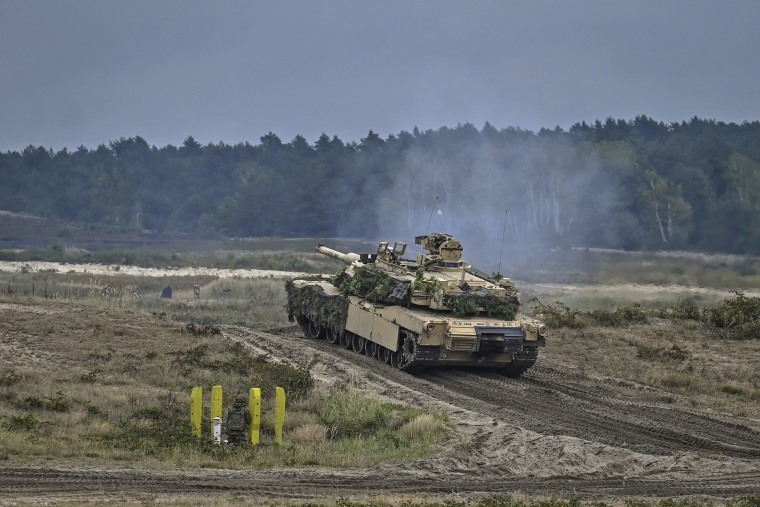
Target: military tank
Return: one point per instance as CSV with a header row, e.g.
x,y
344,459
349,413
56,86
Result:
x,y
431,311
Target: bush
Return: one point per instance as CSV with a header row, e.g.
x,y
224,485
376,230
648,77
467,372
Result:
x,y
10,378
675,353
20,423
620,316
348,414
57,403
156,431
738,317
687,309
556,315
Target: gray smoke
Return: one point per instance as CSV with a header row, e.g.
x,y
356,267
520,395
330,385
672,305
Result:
x,y
532,196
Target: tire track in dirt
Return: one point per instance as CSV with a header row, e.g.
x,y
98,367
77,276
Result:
x,y
545,434
575,422
551,408
41,482
551,402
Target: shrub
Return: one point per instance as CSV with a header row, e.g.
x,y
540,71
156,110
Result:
x,y
10,378
675,353
557,315
687,309
348,414
422,426
57,403
20,423
732,389
620,316
738,317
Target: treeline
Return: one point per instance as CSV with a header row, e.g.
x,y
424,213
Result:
x,y
619,183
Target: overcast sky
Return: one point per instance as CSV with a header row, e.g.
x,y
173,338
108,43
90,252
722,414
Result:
x,y
88,72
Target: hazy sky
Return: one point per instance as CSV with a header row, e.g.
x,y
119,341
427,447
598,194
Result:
x,y
75,72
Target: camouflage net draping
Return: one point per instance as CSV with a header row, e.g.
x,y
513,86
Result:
x,y
470,303
373,284
312,302
377,286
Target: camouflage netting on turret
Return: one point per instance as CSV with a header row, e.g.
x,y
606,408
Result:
x,y
470,303
373,284
311,301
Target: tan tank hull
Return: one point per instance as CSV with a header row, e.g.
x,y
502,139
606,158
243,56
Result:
x,y
415,338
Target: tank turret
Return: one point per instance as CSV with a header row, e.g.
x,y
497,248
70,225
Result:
x,y
429,311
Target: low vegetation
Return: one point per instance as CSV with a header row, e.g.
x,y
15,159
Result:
x,y
737,317
98,369
105,380
156,258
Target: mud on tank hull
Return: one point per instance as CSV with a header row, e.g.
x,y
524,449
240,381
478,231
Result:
x,y
412,338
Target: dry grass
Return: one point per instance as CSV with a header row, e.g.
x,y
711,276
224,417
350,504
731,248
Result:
x,y
681,360
252,301
308,434
99,381
423,426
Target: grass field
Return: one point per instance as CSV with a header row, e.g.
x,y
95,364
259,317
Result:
x,y
97,379
97,368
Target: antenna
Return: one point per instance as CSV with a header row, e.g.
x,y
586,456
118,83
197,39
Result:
x,y
503,231
431,214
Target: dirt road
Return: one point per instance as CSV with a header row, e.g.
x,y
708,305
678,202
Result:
x,y
547,433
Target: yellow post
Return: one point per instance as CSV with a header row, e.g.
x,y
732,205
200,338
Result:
x,y
279,414
216,405
196,407
254,406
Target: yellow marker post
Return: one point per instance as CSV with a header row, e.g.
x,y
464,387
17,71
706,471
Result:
x,y
216,404
196,407
254,406
279,414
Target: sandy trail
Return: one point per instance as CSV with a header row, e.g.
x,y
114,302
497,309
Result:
x,y
122,270
547,433
642,291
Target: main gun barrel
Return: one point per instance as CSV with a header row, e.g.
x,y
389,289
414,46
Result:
x,y
347,258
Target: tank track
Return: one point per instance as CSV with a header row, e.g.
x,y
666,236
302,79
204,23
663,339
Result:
x,y
521,363
411,357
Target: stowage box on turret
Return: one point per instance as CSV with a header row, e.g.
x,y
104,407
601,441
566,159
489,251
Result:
x,y
431,311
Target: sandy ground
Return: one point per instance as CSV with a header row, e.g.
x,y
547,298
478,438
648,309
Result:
x,y
549,433
114,270
642,291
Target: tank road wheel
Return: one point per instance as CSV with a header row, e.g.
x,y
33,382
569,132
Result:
x,y
371,348
345,339
385,355
332,335
315,329
396,359
521,362
358,343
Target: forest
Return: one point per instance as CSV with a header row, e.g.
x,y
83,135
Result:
x,y
630,184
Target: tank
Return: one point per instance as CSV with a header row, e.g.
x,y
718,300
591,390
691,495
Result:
x,y
431,311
